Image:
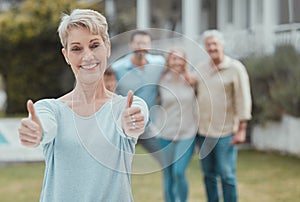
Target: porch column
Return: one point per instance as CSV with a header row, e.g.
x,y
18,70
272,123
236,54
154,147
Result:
x,y
142,14
268,25
190,18
110,8
110,12
221,14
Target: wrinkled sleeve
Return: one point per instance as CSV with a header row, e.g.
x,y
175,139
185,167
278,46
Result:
x,y
47,116
242,94
140,103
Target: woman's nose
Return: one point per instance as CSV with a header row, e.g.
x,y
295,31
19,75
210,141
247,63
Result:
x,y
88,55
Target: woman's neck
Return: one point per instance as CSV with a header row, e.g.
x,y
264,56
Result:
x,y
87,94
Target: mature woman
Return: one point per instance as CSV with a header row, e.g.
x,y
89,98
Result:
x,y
89,134
178,123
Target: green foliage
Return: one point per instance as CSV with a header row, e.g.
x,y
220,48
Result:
x,y
31,61
275,83
35,73
31,19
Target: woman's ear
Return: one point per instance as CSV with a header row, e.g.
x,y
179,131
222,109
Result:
x,y
64,52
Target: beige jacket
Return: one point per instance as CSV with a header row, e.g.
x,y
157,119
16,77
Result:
x,y
224,97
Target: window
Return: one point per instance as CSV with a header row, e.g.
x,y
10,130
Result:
x,y
259,16
289,11
248,13
230,9
296,12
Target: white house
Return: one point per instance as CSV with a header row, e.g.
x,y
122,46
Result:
x,y
249,26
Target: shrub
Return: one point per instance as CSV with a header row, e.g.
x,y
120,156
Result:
x,y
275,84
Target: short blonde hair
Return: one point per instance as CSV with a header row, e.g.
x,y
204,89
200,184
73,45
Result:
x,y
85,18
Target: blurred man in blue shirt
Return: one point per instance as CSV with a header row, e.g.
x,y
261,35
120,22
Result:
x,y
140,71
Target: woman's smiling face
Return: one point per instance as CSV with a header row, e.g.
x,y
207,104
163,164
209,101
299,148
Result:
x,y
87,54
177,62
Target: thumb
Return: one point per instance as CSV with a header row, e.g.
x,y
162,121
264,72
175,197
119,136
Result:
x,y
31,111
129,99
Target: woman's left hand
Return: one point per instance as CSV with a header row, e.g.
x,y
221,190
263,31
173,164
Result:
x,y
133,123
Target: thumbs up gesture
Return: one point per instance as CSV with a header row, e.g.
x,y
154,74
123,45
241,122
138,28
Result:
x,y
30,131
133,123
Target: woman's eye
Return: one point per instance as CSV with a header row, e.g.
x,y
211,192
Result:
x,y
95,45
75,49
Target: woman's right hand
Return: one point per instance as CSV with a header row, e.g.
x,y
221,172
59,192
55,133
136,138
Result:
x,y
30,131
133,123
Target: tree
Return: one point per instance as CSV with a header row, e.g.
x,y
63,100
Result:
x,y
30,61
275,81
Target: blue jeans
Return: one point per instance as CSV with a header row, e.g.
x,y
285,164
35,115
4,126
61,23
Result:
x,y
176,156
218,159
152,146
151,143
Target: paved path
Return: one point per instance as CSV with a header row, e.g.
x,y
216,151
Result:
x,y
11,150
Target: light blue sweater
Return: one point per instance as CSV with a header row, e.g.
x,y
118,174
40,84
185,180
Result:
x,y
88,159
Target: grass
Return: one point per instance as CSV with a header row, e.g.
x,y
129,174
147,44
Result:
x,y
21,182
264,177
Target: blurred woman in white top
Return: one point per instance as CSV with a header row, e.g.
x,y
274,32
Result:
x,y
177,123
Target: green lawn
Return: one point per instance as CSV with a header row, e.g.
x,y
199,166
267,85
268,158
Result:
x,y
262,177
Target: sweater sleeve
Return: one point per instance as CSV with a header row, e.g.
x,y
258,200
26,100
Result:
x,y
140,103
47,116
242,94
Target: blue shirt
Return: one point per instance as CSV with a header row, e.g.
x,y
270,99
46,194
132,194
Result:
x,y
87,159
143,81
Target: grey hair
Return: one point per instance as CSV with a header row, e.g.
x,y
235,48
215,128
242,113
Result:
x,y
83,18
214,33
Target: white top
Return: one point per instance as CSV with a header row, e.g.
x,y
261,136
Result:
x,y
178,115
